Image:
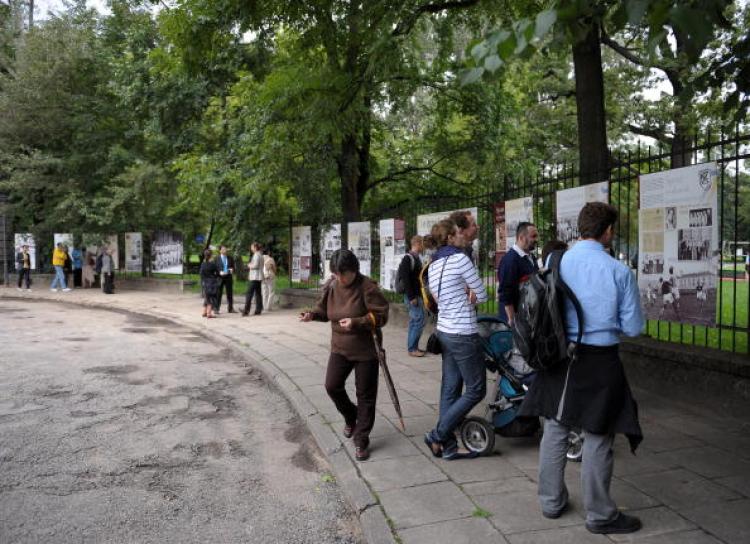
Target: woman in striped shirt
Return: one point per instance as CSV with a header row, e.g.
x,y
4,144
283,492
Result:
x,y
457,288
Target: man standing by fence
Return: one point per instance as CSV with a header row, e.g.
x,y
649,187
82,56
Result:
x,y
591,392
516,266
407,282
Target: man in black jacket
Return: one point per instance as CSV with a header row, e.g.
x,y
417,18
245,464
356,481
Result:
x,y
408,275
225,264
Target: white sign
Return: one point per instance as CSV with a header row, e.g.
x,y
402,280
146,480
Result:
x,y
678,255
330,241
301,253
166,252
426,221
392,250
94,244
65,239
570,202
519,210
26,239
133,252
359,239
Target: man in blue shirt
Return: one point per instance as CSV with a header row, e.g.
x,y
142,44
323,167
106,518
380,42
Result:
x,y
591,392
516,266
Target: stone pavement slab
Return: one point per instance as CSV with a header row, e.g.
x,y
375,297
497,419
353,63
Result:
x,y
689,480
656,521
729,521
681,489
563,535
460,531
426,504
389,474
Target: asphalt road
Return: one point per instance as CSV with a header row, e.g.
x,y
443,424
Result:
x,y
115,428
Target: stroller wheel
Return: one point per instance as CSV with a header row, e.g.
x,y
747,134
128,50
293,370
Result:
x,y
575,446
478,435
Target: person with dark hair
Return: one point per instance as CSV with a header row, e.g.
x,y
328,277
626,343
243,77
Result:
x,y
68,266
210,279
467,229
591,391
225,265
77,256
355,306
457,289
549,247
23,265
254,280
408,278
108,272
517,265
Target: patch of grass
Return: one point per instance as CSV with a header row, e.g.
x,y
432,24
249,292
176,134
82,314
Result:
x,y
481,513
732,311
328,478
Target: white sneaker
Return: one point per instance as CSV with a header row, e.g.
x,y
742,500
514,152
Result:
x,y
67,289
28,289
53,290
19,289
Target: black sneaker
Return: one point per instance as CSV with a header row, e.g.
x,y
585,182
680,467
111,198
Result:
x,y
348,431
622,524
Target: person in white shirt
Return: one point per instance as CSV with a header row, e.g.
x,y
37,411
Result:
x,y
457,288
254,280
269,279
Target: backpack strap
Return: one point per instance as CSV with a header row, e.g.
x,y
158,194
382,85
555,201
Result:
x,y
555,259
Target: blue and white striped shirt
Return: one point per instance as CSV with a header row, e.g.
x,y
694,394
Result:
x,y
608,294
456,315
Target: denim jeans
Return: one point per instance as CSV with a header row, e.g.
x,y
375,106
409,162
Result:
x,y
462,364
416,323
59,279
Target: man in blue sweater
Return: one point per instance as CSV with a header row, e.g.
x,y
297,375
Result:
x,y
516,266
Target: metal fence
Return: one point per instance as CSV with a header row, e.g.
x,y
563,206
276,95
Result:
x,y
729,151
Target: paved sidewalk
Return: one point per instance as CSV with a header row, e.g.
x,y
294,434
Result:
x,y
689,483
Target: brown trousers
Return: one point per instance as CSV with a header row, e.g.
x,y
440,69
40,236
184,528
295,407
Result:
x,y
360,416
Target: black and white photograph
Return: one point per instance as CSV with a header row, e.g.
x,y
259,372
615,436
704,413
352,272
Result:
x,y
652,264
694,244
166,252
700,217
670,218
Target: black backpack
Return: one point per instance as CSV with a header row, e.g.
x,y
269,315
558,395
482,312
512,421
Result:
x,y
401,281
539,323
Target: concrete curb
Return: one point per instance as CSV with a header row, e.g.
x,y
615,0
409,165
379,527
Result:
x,y
375,526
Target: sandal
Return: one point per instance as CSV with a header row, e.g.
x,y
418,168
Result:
x,y
435,447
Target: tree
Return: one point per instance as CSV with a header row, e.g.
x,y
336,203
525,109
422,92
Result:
x,y
360,47
584,25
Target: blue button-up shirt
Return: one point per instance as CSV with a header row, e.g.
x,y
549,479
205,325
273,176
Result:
x,y
224,262
608,294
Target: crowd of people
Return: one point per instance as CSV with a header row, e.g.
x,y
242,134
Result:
x,y
86,268
589,392
217,276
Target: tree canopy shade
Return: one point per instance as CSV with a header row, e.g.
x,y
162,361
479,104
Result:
x,y
667,34
229,117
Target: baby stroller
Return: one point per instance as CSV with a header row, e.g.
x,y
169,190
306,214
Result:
x,y
501,415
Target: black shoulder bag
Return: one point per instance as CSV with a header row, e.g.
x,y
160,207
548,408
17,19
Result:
x,y
433,342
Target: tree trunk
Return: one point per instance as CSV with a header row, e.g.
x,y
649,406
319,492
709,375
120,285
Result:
x,y
593,153
349,175
679,153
